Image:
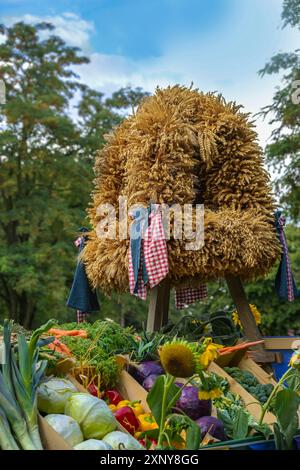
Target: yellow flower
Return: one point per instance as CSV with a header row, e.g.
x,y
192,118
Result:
x,y
178,358
210,394
210,354
295,361
257,316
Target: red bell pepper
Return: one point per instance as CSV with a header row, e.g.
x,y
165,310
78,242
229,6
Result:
x,y
113,397
127,419
151,441
93,390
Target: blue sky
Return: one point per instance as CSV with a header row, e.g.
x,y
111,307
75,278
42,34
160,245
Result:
x,y
216,44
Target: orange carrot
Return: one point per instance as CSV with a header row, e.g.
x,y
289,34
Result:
x,y
57,332
237,347
59,347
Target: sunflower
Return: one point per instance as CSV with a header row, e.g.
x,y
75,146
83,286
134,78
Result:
x,y
178,358
210,353
295,360
257,316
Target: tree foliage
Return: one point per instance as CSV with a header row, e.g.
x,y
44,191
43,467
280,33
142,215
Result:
x,y
46,166
283,153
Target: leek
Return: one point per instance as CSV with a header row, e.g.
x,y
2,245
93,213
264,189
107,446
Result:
x,y
19,377
7,441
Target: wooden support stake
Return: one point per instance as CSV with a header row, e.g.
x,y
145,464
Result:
x,y
250,328
159,306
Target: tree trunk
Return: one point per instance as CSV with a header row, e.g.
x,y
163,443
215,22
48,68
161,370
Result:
x,y
27,309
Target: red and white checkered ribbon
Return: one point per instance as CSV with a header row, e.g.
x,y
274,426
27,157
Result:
x,y
155,248
154,251
82,316
189,295
78,241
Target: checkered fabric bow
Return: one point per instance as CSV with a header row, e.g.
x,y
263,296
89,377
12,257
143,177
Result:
x,y
148,258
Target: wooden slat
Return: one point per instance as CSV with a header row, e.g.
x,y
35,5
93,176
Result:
x,y
130,389
159,306
262,376
250,328
250,402
282,343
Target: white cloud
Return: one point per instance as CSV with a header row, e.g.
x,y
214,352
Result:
x,y
69,26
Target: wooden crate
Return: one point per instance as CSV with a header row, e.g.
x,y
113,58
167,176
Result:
x,y
53,441
261,375
251,402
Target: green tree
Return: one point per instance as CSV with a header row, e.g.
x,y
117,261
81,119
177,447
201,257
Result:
x,y
283,153
46,160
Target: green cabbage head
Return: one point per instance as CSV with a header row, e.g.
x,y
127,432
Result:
x,y
92,444
93,415
52,395
67,427
119,441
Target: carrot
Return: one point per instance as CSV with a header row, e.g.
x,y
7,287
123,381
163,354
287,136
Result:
x,y
237,347
57,332
59,347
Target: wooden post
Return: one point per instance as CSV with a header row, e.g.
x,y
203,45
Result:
x,y
158,306
250,328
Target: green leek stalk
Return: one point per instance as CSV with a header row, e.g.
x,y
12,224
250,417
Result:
x,y
19,380
7,441
17,424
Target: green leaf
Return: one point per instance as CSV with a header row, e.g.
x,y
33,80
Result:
x,y
240,424
224,416
193,435
263,429
286,406
24,361
293,380
279,438
155,396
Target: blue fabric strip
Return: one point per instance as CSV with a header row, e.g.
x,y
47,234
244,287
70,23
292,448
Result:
x,y
137,229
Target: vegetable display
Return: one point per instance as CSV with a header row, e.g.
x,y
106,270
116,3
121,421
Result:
x,y
95,347
178,414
